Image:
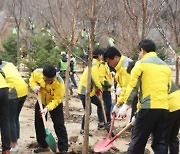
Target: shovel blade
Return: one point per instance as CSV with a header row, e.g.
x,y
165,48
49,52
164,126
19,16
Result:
x,y
101,146
50,140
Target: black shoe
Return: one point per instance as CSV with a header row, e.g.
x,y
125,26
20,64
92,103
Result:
x,y
82,133
101,126
71,92
39,149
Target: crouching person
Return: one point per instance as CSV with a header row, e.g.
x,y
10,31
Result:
x,y
51,88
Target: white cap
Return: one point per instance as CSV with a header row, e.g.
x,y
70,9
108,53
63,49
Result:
x,y
63,53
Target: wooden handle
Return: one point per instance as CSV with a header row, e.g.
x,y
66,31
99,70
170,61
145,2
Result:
x,y
102,105
118,134
41,108
124,129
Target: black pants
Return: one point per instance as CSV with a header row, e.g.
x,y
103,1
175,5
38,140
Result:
x,y
172,130
149,121
15,106
4,119
95,101
57,117
134,107
107,104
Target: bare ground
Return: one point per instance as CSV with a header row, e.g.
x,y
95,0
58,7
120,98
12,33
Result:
x,y
27,141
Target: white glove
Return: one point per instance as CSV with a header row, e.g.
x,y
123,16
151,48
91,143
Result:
x,y
115,109
118,91
133,120
37,89
123,111
112,89
44,111
113,73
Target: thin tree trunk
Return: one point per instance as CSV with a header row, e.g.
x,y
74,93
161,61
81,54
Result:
x,y
177,71
71,43
87,109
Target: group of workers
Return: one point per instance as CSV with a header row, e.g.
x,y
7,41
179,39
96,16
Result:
x,y
146,86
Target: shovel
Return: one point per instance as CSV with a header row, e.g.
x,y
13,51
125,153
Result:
x,y
49,137
105,146
102,105
100,145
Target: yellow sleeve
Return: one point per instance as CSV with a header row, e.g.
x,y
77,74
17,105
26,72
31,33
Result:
x,y
58,96
32,80
95,77
124,78
134,83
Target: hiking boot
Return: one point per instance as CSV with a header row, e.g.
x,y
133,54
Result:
x,y
39,149
101,126
5,152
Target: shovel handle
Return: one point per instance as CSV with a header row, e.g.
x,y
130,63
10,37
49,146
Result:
x,y
112,126
41,108
120,132
102,105
124,129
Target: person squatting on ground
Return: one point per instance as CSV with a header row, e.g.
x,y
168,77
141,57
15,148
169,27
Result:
x,y
17,95
106,82
96,89
51,87
61,68
4,116
152,77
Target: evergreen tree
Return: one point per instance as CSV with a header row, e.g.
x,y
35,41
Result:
x,y
43,52
9,52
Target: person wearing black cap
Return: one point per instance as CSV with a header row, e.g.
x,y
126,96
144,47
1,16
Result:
x,y
96,88
51,88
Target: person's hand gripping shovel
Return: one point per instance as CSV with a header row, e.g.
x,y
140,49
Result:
x,y
49,137
100,146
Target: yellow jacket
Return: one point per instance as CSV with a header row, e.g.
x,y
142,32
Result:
x,y
174,98
95,79
123,77
3,83
17,86
105,76
51,94
153,77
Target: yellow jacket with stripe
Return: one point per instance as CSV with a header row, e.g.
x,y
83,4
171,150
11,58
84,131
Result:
x,y
3,83
152,77
123,77
95,79
174,98
105,76
51,94
17,86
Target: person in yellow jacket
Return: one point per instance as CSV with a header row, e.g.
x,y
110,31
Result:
x,y
106,82
17,95
152,77
4,116
51,88
172,126
96,87
120,63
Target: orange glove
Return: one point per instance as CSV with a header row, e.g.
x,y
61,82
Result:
x,y
98,92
